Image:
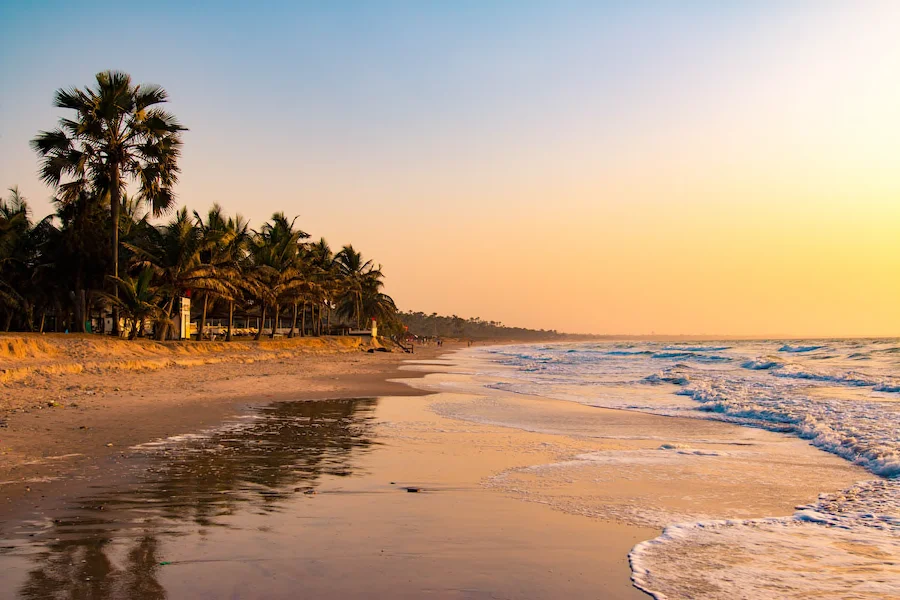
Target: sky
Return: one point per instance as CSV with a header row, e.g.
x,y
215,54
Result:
x,y
712,168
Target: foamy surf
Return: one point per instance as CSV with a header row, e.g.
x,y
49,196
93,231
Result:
x,y
834,548
846,545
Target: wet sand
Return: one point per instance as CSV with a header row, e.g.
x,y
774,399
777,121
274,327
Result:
x,y
311,499
516,497
646,470
58,424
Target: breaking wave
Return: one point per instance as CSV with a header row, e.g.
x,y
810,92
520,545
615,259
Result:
x,y
798,349
761,365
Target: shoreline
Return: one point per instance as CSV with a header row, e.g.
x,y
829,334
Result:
x,y
823,518
482,452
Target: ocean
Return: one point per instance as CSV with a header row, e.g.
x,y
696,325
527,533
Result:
x,y
842,396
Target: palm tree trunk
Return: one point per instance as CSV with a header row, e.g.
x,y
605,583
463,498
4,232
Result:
x,y
114,201
163,332
79,286
275,321
262,323
29,316
77,298
43,316
328,319
202,318
230,320
85,309
303,321
319,320
293,322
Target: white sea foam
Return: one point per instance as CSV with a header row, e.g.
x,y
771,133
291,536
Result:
x,y
835,548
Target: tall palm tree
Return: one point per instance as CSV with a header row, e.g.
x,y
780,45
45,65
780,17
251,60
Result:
x,y
326,275
355,272
119,136
277,271
215,237
235,257
375,303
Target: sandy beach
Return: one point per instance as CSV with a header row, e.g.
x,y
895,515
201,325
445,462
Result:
x,y
460,539
71,404
421,482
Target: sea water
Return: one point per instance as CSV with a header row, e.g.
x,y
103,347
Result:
x,y
841,395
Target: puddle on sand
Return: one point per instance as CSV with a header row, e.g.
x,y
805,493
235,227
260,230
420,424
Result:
x,y
117,543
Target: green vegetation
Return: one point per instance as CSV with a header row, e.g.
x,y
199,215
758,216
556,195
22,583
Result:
x,y
435,325
113,166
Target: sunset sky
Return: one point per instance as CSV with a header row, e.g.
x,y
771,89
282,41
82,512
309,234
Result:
x,y
628,167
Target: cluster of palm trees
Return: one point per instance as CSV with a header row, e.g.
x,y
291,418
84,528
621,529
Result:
x,y
101,252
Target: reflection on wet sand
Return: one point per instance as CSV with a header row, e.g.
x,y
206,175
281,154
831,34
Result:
x,y
108,545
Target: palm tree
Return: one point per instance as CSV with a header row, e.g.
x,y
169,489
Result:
x,y
15,225
236,258
375,303
175,255
14,218
355,273
277,273
139,299
327,276
214,236
117,137
23,264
